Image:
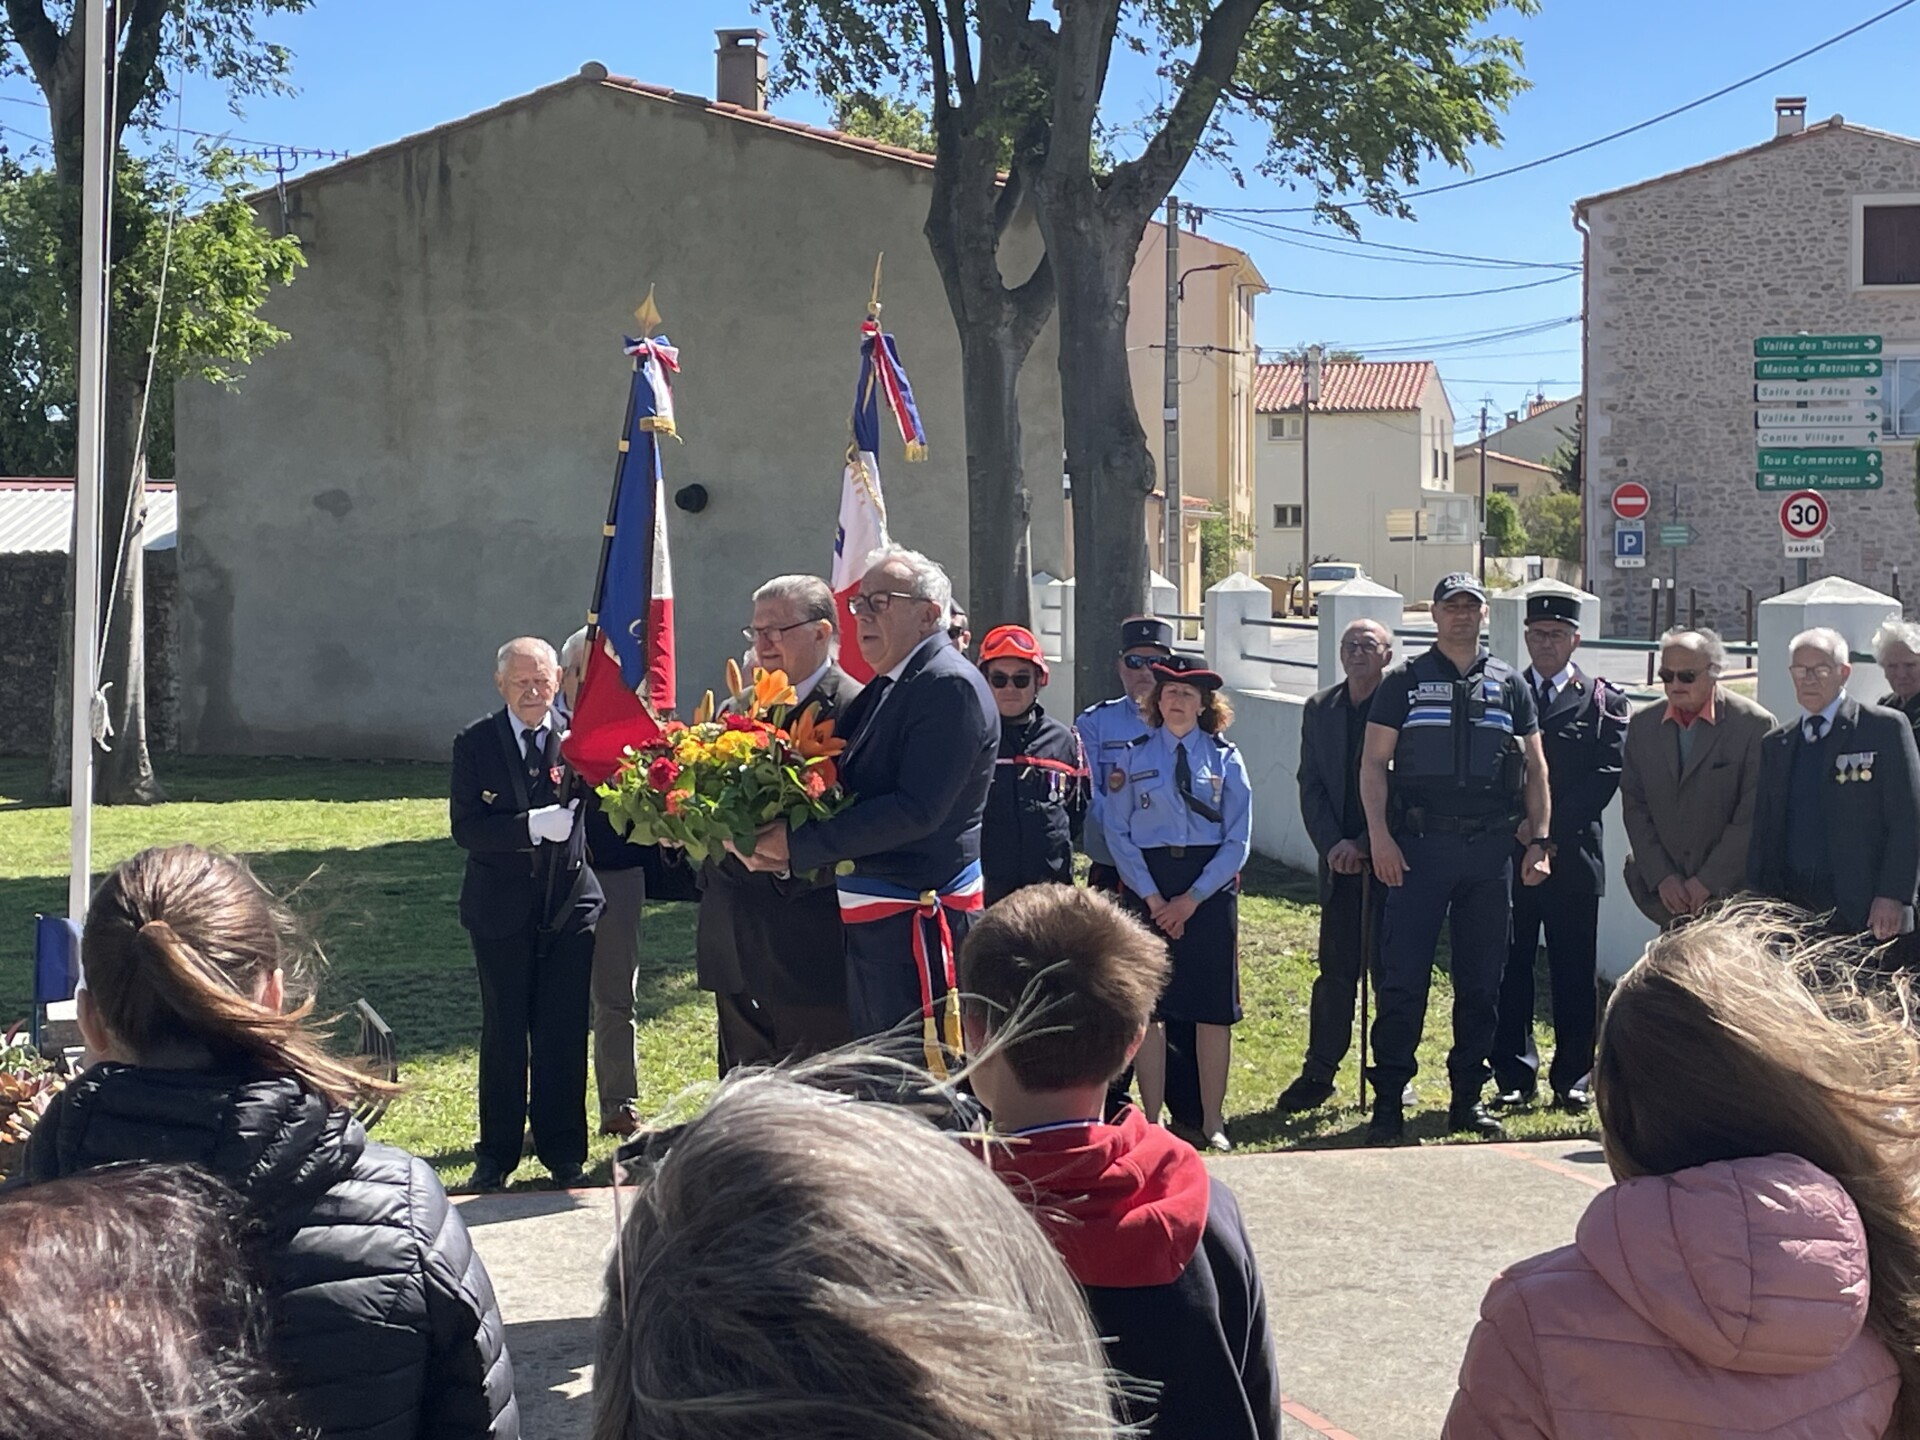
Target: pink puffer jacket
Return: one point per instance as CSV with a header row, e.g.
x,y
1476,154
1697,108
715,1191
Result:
x,y
1726,1300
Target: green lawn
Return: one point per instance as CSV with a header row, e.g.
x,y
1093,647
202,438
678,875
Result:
x,y
378,878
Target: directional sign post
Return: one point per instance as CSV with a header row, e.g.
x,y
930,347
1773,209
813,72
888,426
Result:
x,y
1804,392
1674,536
1630,544
1818,347
1816,369
1797,469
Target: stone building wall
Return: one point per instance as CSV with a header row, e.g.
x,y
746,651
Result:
x,y
30,619
1683,275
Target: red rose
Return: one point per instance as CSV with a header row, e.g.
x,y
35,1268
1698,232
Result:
x,y
662,773
741,722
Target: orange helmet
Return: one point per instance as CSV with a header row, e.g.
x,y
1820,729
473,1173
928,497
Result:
x,y
1013,642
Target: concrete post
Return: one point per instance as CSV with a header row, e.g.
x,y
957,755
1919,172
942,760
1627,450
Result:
x,y
1163,599
1344,604
1507,620
1053,628
1852,609
1228,606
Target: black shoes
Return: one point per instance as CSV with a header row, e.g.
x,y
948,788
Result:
x,y
1471,1117
1574,1101
570,1177
1517,1099
488,1177
1304,1094
1389,1123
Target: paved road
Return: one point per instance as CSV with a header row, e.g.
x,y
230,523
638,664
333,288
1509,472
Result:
x,y
1374,1260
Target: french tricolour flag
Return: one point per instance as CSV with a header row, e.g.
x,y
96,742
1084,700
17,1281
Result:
x,y
863,508
629,684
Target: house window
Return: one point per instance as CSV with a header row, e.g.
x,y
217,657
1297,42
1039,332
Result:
x,y
1903,396
1286,517
1446,466
1886,242
1512,492
1283,427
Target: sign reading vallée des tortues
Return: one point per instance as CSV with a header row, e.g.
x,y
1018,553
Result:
x,y
1822,347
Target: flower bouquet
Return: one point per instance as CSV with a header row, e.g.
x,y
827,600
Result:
x,y
728,774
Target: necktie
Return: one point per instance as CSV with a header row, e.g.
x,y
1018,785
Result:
x,y
1816,727
1182,771
535,751
1546,695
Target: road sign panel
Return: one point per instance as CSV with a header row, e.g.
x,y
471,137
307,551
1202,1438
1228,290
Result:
x,y
1815,346
1777,480
1826,462
1804,515
1800,392
1630,544
1816,369
1805,549
1819,434
1631,500
1823,416
1676,535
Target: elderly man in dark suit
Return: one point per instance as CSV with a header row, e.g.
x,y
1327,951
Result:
x,y
769,946
923,740
1687,783
1333,733
529,904
1837,818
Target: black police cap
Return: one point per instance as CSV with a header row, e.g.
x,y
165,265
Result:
x,y
1550,605
1146,630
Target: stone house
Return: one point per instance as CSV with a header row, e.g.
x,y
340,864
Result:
x,y
1814,231
1379,458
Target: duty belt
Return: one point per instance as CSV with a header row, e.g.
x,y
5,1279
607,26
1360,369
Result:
x,y
1419,822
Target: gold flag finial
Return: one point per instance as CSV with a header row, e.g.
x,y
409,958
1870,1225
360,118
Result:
x,y
648,315
873,305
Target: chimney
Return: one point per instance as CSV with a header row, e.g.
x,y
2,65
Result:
x,y
742,74
1789,115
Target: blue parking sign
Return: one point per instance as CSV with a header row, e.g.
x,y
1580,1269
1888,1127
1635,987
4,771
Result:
x,y
1629,544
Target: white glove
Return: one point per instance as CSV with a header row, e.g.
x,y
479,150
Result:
x,y
551,822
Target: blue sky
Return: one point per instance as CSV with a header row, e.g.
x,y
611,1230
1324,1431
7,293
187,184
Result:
x,y
370,71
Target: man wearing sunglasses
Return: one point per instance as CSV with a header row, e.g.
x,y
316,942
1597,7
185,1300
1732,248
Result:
x,y
1687,783
1039,783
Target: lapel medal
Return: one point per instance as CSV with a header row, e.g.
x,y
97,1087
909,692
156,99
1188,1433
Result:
x,y
1218,781
1116,780
553,774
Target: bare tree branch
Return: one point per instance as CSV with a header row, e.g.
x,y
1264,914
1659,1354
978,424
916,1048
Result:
x,y
1082,48
958,37
139,59
37,36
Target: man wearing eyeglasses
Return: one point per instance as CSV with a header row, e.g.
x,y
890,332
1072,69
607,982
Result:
x,y
1837,815
1687,783
1039,782
921,745
769,946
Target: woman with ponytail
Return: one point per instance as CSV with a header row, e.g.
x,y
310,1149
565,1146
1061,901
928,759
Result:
x,y
195,1009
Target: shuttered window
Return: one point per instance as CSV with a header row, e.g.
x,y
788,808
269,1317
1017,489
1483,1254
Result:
x,y
1890,245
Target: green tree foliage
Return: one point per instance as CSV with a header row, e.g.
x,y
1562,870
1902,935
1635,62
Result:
x,y
1334,355
1221,545
1505,534
1565,461
886,118
1552,522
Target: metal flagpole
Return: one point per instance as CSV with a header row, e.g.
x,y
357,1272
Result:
x,y
90,447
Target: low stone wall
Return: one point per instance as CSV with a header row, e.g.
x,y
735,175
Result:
x,y
30,603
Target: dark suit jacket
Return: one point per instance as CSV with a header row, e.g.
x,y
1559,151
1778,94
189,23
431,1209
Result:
x,y
1324,763
508,879
777,939
1584,734
1872,826
920,772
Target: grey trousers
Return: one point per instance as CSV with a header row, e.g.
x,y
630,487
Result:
x,y
616,956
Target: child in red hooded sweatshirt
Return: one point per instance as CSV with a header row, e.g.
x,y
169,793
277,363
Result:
x,y
1058,985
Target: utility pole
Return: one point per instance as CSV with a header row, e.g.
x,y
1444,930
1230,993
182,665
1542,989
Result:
x,y
1483,492
1170,449
1309,397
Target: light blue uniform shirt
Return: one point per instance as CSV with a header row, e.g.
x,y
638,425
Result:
x,y
1105,731
1148,814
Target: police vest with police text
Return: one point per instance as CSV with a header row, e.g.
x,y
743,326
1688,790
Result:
x,y
1458,734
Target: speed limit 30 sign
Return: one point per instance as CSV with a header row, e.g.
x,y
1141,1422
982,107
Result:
x,y
1803,519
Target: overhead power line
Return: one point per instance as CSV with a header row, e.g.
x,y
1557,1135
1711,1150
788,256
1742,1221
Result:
x,y
1436,295
1355,248
1619,134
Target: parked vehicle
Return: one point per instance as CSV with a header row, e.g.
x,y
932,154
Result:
x,y
1323,575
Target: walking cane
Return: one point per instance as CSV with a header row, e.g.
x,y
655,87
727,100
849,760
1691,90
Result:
x,y
1366,968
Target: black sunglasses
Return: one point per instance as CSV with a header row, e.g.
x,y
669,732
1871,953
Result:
x,y
1141,662
1000,679
1685,677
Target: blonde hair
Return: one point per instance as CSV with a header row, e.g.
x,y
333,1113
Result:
x,y
1744,1035
800,1262
178,941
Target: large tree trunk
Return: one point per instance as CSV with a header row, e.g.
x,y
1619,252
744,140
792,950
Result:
x,y
998,570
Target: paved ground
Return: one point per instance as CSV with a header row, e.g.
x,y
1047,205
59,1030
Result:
x,y
1375,1262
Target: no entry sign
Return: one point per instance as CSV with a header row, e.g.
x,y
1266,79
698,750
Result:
x,y
1631,501
1804,515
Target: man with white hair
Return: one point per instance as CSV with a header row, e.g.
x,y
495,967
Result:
x,y
923,738
529,903
1896,645
1837,816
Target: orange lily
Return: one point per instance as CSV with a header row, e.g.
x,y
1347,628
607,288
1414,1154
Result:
x,y
703,712
734,683
770,688
813,738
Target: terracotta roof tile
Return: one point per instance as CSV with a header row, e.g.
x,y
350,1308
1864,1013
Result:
x,y
1345,385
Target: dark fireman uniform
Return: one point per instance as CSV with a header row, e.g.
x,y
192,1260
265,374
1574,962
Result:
x,y
1583,729
1035,807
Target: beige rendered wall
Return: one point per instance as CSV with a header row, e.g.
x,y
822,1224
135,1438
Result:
x,y
422,470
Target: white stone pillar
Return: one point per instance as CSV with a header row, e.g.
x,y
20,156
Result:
x,y
1053,628
1507,618
1163,599
1852,609
1228,606
1346,603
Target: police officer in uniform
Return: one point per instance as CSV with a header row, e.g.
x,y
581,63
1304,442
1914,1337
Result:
x,y
1107,729
1583,732
1458,727
1039,789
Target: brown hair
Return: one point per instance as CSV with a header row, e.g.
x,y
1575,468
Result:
x,y
131,1311
1216,712
1742,1035
177,943
798,1262
1066,978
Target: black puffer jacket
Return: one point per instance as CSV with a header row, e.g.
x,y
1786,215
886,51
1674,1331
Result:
x,y
385,1325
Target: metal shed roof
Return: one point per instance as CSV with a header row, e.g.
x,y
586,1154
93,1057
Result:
x,y
36,516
